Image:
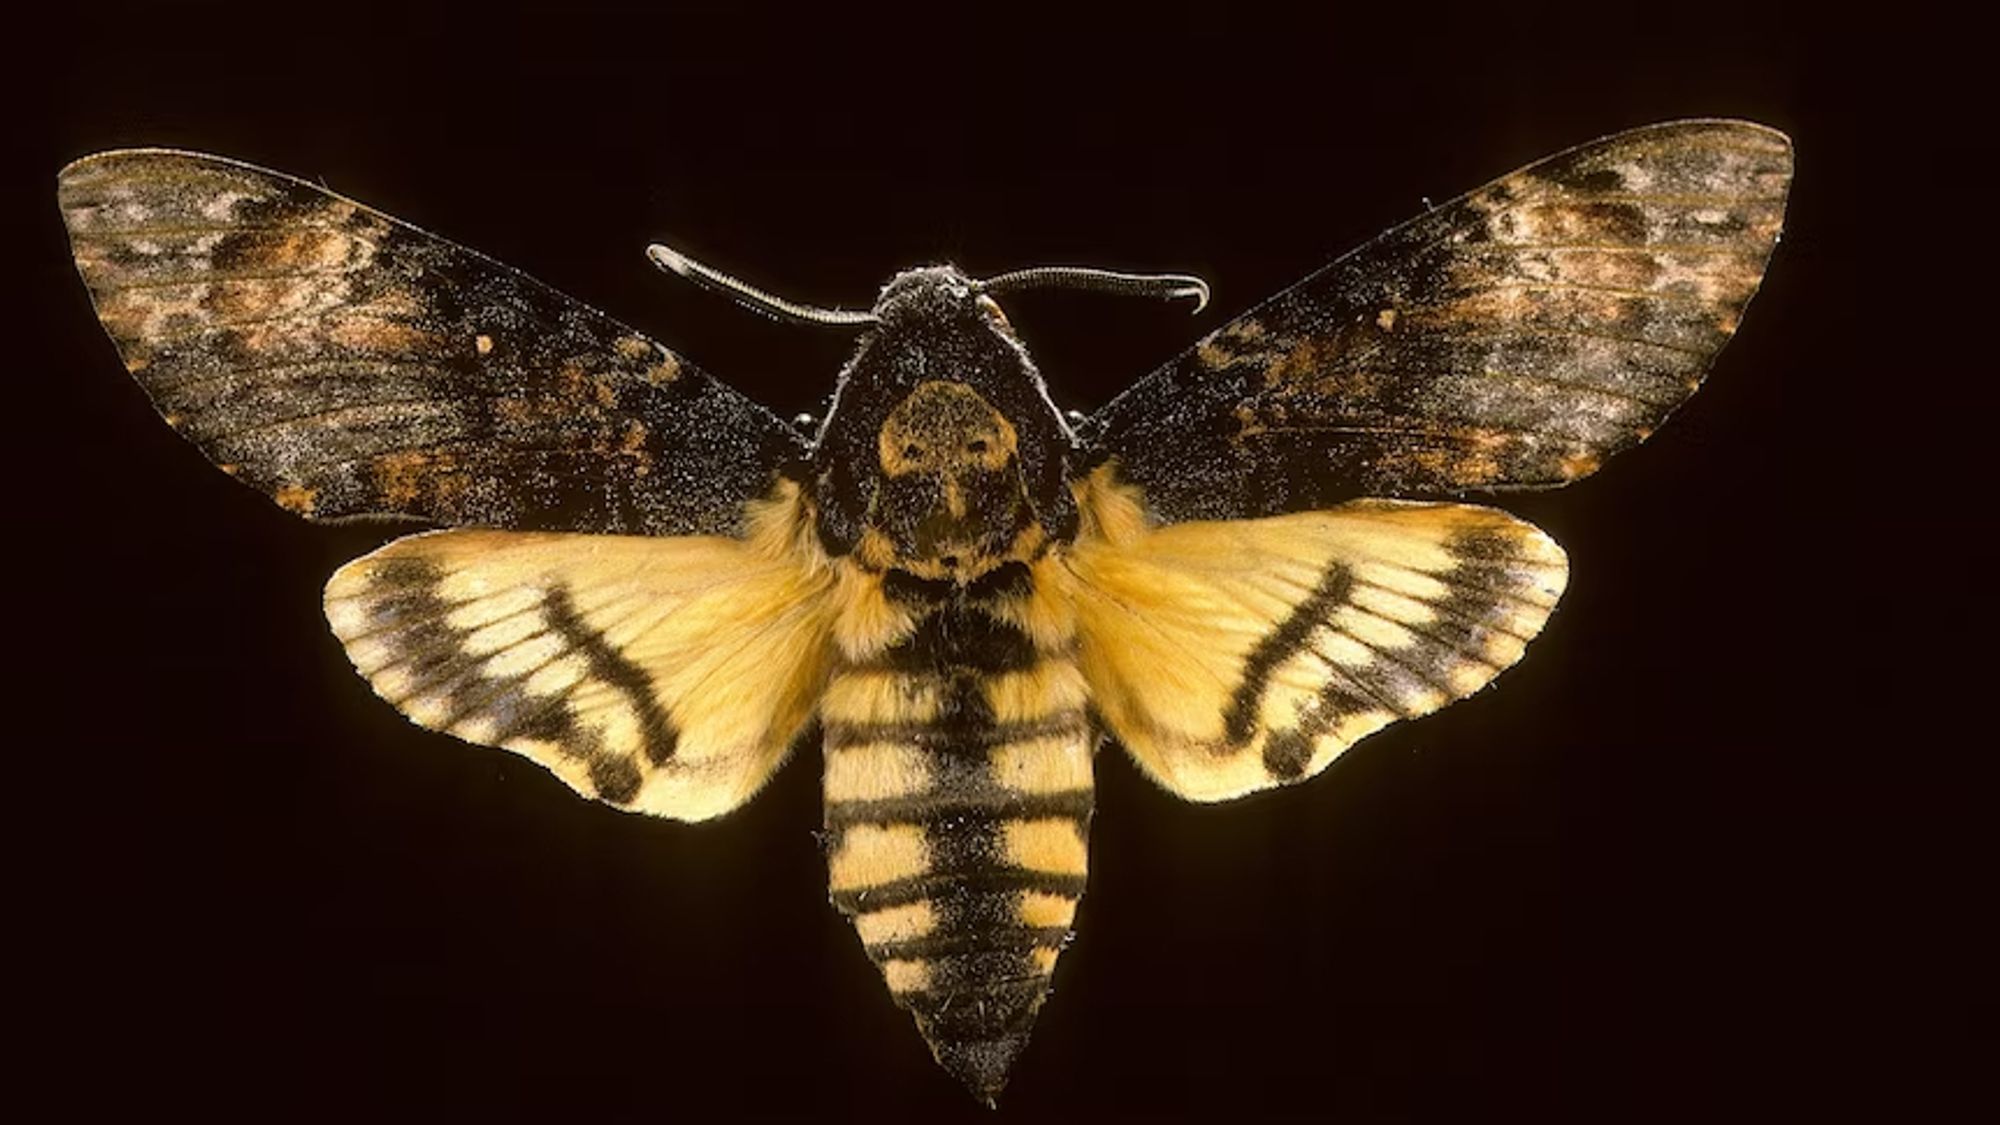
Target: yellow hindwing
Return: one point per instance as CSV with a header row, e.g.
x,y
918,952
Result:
x,y
663,675
1237,655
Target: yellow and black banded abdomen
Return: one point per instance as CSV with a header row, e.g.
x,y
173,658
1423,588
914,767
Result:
x,y
958,799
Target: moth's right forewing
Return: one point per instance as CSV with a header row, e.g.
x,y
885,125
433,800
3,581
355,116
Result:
x,y
345,363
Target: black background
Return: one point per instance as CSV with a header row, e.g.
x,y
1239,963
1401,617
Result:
x,y
267,895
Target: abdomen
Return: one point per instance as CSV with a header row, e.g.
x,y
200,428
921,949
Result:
x,y
958,798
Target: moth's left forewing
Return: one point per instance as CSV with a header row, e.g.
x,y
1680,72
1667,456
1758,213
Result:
x,y
1515,337
666,675
1232,656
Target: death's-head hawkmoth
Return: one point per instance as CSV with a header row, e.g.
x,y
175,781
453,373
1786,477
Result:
x,y
655,588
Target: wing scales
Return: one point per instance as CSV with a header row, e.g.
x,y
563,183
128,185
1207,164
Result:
x,y
1514,337
1238,655
667,675
345,363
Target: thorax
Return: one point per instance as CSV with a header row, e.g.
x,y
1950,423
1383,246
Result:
x,y
913,651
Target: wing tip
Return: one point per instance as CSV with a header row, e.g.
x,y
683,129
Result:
x,y
77,180
152,152
80,169
1738,133
1740,125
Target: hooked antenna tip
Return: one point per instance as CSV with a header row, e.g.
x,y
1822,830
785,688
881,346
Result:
x,y
668,258
1167,286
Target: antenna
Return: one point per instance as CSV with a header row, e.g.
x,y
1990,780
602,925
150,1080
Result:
x,y
749,296
1166,286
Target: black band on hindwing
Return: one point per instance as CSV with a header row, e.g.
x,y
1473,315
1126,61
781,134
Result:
x,y
1281,643
406,607
656,730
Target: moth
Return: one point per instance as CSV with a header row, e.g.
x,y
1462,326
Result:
x,y
654,587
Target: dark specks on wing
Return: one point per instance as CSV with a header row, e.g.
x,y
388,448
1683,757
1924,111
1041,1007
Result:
x,y
345,363
1515,337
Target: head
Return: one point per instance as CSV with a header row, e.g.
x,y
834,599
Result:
x,y
942,454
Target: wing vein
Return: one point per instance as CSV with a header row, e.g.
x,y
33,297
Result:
x,y
1384,656
217,279
1579,287
90,234
198,378
1487,590
1518,333
1146,621
351,408
1525,376
393,626
1511,248
1692,199
1473,657
490,455
1483,432
1338,669
196,330
1550,380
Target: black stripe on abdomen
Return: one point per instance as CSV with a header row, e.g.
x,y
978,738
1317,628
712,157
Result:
x,y
957,846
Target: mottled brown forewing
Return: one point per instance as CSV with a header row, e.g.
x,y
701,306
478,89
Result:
x,y
1514,337
346,364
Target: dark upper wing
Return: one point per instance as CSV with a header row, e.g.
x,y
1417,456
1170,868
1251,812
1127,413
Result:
x,y
1514,337
346,363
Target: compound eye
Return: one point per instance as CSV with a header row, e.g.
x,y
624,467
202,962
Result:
x,y
991,308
